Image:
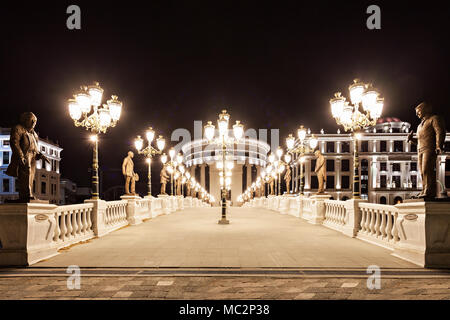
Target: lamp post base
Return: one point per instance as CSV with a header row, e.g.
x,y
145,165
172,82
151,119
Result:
x,y
223,221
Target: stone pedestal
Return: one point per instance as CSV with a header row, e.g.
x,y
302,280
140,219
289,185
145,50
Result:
x,y
284,204
180,202
98,216
166,203
424,232
188,202
318,208
353,217
26,233
132,211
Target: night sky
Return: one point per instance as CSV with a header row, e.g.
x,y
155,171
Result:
x,y
272,64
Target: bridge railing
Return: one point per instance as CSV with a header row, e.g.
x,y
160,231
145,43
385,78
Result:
x,y
416,231
31,232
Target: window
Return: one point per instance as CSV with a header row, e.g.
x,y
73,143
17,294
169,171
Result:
x,y
383,200
345,147
396,167
6,142
414,166
5,157
313,164
447,164
330,147
447,146
345,182
396,181
330,182
345,165
5,185
413,147
383,147
330,165
314,182
383,166
447,181
364,146
383,180
398,146
43,187
414,181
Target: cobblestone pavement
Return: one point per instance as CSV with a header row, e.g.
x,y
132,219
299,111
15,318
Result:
x,y
224,287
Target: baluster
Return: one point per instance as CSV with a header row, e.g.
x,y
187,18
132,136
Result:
x,y
62,218
57,227
363,219
389,225
83,221
394,227
383,224
74,223
367,221
373,220
80,225
68,224
378,222
89,219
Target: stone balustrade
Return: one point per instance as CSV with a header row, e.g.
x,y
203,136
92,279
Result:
x,y
31,232
415,231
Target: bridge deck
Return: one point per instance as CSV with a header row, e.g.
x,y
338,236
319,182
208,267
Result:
x,y
254,238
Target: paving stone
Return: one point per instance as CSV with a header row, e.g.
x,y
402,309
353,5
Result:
x,y
122,294
305,296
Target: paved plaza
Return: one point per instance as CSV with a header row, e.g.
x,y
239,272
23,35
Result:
x,y
255,238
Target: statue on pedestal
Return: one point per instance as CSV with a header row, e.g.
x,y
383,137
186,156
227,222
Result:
x,y
430,143
164,179
287,178
128,172
25,152
321,171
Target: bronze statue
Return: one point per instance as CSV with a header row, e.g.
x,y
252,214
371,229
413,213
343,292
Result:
x,y
24,145
178,185
188,188
287,178
321,171
271,182
164,179
430,142
129,174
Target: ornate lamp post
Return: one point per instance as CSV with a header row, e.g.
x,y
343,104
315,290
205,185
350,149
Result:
x,y
223,139
149,152
305,146
171,166
86,110
351,118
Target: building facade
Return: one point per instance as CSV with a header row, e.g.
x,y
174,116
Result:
x,y
46,185
249,157
388,167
